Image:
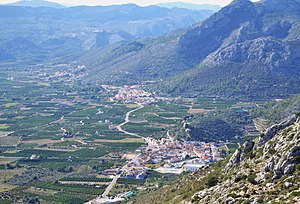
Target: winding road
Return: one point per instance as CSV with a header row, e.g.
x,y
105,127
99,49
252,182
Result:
x,y
127,120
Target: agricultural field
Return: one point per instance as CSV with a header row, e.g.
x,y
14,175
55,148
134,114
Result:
x,y
58,136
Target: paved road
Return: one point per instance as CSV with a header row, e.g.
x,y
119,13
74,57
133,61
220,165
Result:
x,y
115,179
127,120
110,186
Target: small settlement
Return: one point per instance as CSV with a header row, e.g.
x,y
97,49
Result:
x,y
168,155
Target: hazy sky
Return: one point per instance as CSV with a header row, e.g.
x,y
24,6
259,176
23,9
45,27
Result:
x,y
139,2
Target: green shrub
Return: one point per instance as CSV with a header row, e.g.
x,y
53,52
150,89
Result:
x,y
251,178
260,200
240,178
212,181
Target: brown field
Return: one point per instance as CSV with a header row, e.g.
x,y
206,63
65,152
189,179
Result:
x,y
126,140
4,134
9,141
7,174
195,111
41,142
61,150
42,192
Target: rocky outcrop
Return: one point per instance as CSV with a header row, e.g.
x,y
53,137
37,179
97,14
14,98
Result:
x,y
272,131
239,155
234,159
199,42
271,167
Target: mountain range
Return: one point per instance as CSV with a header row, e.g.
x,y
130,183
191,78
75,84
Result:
x,y
246,49
36,3
34,34
190,6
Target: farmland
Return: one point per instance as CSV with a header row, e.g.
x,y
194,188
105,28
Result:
x,y
59,136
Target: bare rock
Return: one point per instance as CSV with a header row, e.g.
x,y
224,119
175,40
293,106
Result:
x,y
270,165
272,131
288,184
291,168
247,147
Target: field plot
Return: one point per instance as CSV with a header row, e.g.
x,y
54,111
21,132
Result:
x,y
213,104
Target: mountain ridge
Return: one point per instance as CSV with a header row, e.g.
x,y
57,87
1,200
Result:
x,y
49,33
36,3
190,6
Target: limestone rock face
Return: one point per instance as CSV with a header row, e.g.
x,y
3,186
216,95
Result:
x,y
272,131
240,154
271,167
234,160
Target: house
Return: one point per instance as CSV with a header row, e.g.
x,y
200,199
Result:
x,y
192,167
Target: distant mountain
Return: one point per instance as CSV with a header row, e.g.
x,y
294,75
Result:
x,y
45,33
190,6
245,50
36,3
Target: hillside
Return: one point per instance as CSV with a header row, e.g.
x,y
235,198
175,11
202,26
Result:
x,y
275,111
266,170
246,50
38,33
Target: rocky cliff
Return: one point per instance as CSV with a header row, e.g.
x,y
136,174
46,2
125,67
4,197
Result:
x,y
264,171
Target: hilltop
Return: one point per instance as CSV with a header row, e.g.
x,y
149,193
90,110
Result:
x,y
190,6
36,3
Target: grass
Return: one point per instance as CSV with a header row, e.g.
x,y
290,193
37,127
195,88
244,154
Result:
x,y
5,160
3,127
7,174
9,105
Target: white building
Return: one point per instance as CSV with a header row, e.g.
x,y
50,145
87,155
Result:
x,y
192,167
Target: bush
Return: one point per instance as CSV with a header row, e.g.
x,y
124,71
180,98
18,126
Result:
x,y
240,178
212,181
260,200
251,178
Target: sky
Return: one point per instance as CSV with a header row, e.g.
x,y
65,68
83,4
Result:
x,y
139,2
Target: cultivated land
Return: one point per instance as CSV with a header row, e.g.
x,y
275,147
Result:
x,y
61,140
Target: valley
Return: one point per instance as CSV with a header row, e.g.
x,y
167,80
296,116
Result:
x,y
162,104
63,134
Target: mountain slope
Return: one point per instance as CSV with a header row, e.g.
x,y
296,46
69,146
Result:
x,y
264,171
36,3
246,50
254,56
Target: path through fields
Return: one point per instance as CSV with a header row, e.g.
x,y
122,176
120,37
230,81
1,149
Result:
x,y
127,120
